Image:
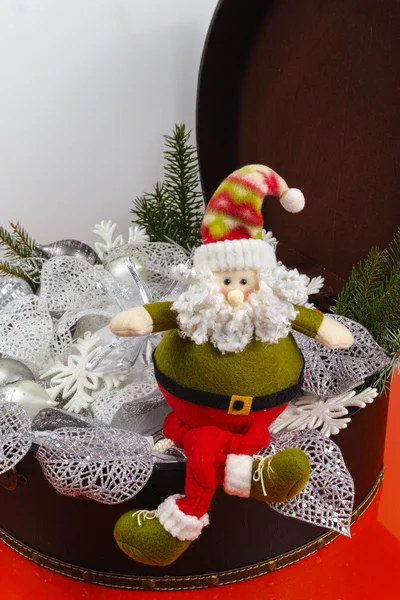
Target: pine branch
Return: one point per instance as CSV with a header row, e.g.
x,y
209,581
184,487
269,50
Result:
x,y
13,270
12,246
151,213
174,210
18,246
371,297
24,238
392,254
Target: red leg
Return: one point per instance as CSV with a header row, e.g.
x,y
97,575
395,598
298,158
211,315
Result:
x,y
201,446
254,438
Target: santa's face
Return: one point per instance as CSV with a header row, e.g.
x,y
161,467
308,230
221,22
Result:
x,y
237,285
230,308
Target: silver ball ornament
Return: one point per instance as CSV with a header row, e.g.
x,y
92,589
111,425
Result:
x,y
11,288
12,370
29,395
72,248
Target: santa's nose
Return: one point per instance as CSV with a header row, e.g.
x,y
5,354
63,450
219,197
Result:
x,y
235,297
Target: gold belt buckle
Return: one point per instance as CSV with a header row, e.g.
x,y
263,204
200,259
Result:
x,y
240,405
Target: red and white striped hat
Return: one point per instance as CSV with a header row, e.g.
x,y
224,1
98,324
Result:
x,y
232,224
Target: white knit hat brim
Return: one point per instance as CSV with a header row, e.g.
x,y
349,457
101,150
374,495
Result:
x,y
233,255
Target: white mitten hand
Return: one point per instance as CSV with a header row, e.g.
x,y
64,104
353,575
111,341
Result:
x,y
333,334
133,322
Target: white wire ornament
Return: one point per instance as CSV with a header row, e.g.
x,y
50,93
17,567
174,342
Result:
x,y
330,414
15,435
103,464
328,498
331,372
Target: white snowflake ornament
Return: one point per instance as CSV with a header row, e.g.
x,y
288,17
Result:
x,y
73,380
137,235
312,411
106,230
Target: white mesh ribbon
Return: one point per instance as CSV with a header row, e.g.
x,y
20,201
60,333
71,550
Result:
x,y
26,330
328,498
15,435
158,258
70,287
70,283
331,372
103,464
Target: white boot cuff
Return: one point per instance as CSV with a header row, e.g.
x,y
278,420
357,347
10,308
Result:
x,y
177,523
238,472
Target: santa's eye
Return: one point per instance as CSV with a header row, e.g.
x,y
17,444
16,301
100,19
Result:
x,y
227,281
243,281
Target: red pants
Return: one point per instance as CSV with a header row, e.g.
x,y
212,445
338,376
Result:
x,y
207,446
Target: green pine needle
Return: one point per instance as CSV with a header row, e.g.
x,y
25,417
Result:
x,y
371,297
173,211
7,269
18,246
25,239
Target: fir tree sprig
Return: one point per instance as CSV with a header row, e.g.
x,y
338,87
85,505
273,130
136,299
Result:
x,y
173,211
372,297
20,251
25,239
7,269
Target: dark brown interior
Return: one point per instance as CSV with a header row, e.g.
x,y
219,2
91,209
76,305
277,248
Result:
x,y
312,90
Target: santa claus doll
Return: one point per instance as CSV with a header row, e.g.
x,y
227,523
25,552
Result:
x,y
227,366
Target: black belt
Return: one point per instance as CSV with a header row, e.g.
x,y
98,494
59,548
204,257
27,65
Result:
x,y
234,405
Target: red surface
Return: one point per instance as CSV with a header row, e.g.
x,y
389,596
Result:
x,y
364,567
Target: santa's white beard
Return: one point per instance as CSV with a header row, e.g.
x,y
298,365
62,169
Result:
x,y
204,314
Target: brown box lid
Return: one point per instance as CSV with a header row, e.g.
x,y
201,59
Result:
x,y
311,89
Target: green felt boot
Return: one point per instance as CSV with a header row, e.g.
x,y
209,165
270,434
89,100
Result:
x,y
279,477
142,537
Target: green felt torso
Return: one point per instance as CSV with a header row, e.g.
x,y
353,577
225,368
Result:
x,y
260,369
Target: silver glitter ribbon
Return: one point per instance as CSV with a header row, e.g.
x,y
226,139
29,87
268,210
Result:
x,y
103,464
328,498
106,404
144,415
15,435
50,419
332,372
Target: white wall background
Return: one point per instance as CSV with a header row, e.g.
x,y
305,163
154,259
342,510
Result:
x,y
87,88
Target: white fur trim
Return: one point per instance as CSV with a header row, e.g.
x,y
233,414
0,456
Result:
x,y
293,201
177,523
234,254
238,472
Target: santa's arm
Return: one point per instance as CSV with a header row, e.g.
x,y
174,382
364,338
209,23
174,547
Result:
x,y
142,320
326,331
